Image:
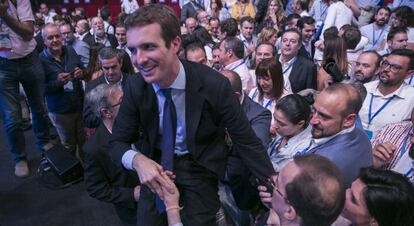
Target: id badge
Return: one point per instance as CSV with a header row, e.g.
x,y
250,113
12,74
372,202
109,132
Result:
x,y
68,87
5,44
369,133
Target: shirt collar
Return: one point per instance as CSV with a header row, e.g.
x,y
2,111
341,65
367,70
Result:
x,y
179,82
323,140
288,63
119,82
233,64
400,92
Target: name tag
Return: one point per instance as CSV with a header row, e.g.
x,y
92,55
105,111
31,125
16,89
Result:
x,y
369,133
5,44
68,87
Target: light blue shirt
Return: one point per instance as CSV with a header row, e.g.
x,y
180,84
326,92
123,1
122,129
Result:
x,y
319,10
365,3
82,49
178,96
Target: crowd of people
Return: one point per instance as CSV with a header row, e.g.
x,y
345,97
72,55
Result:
x,y
267,112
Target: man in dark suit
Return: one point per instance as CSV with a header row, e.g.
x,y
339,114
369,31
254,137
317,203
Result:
x,y
237,193
300,71
104,180
307,27
190,10
82,32
111,61
183,110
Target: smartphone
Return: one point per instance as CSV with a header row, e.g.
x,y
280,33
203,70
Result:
x,y
267,184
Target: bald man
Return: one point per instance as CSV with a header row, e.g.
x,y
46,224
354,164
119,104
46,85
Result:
x,y
334,134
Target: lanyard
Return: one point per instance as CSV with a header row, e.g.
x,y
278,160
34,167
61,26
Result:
x,y
289,66
370,116
324,10
373,35
304,151
411,79
273,145
404,146
234,68
267,104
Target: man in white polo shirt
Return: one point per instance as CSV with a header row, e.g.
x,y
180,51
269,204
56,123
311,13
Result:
x,y
389,99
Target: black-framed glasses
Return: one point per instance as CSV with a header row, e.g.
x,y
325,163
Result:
x,y
112,106
276,187
393,67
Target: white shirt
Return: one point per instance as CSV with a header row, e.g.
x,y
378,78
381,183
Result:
x,y
397,110
129,6
375,37
304,13
239,66
338,15
287,67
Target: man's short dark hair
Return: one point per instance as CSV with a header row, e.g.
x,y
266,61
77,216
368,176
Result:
x,y
304,4
352,36
316,203
248,19
193,47
105,13
305,20
160,14
394,31
235,45
107,53
377,56
386,8
274,50
405,53
293,30
292,16
229,26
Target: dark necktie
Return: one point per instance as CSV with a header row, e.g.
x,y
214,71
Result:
x,y
169,128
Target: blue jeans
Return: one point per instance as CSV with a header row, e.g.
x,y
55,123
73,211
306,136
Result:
x,y
29,72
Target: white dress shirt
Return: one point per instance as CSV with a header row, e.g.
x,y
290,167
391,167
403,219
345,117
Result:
x,y
397,110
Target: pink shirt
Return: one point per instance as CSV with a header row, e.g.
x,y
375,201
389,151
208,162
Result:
x,y
23,13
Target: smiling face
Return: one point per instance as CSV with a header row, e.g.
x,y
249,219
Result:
x,y
156,63
52,38
307,32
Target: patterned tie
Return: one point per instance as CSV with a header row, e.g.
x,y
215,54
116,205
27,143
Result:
x,y
169,129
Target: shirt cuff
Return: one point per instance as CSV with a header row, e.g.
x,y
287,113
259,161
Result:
x,y
178,224
127,159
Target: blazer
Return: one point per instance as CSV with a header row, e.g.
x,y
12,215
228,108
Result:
x,y
90,40
349,151
303,75
211,108
239,177
89,117
106,181
187,11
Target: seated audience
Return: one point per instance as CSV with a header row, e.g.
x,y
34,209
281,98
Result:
x,y
308,191
104,180
379,197
292,116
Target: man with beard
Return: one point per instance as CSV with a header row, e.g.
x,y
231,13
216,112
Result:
x,y
367,66
389,99
99,34
376,31
334,134
397,38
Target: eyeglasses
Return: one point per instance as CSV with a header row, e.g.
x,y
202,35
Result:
x,y
115,105
276,188
393,67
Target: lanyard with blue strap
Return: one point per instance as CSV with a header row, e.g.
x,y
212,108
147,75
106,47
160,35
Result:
x,y
305,150
324,10
274,144
290,65
374,42
370,116
411,79
267,104
234,68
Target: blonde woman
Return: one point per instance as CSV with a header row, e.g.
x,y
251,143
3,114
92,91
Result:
x,y
268,34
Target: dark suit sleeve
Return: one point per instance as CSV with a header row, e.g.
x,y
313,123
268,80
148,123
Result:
x,y
248,146
98,184
127,123
260,125
311,81
184,14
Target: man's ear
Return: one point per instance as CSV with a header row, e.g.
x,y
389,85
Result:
x,y
349,120
176,44
290,213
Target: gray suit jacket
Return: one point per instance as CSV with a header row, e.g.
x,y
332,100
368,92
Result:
x,y
349,151
259,119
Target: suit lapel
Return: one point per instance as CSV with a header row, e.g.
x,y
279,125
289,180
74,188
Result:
x,y
150,114
193,104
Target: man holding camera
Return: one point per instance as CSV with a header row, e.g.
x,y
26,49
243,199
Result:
x,y
63,88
